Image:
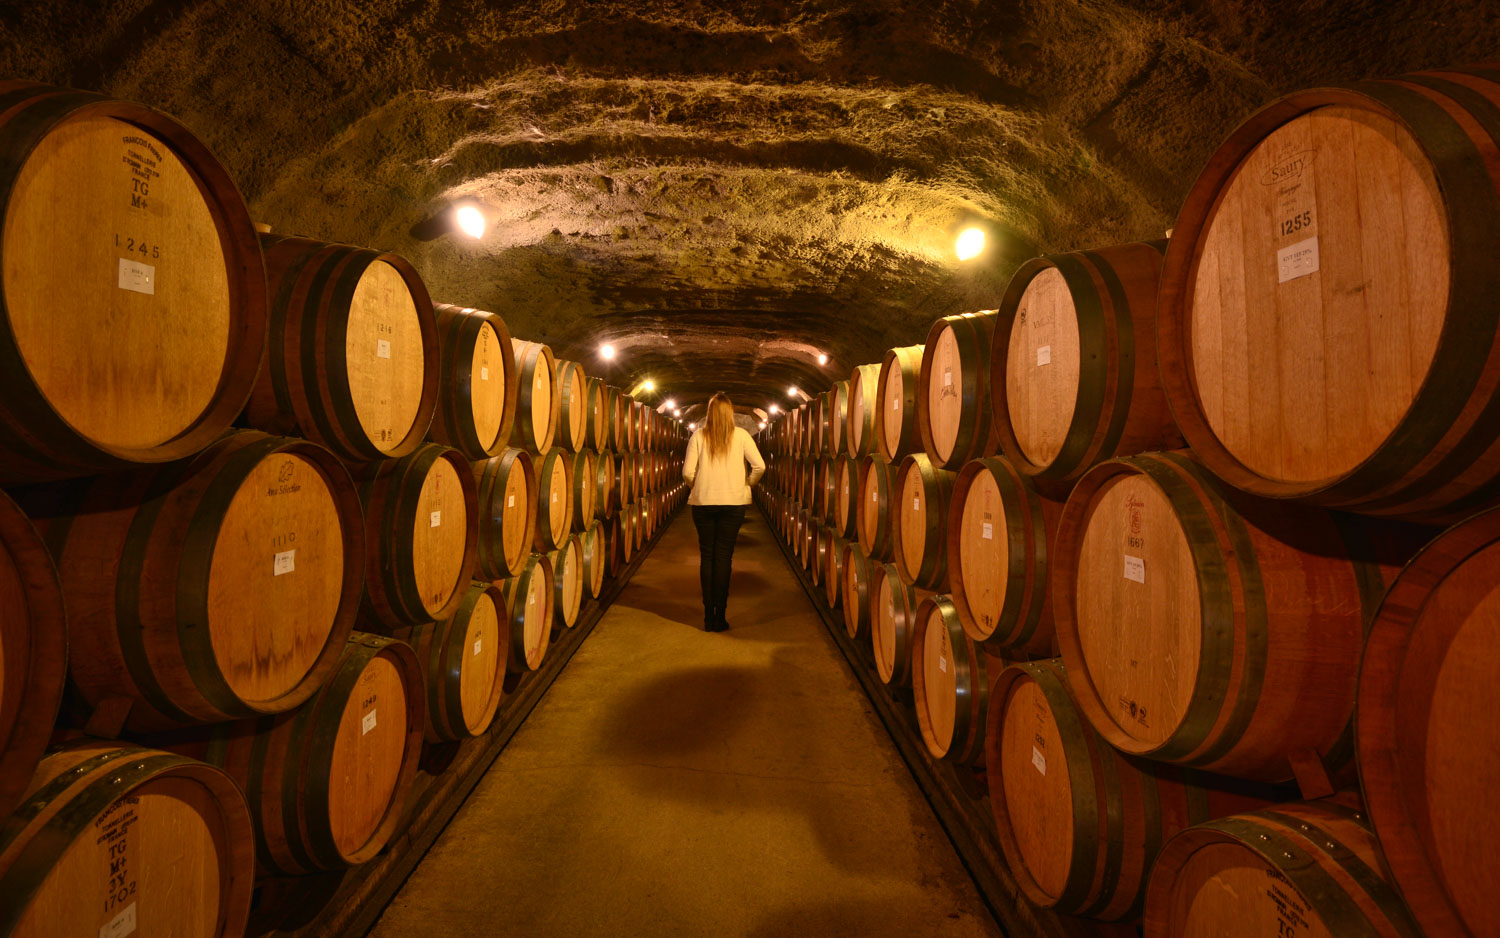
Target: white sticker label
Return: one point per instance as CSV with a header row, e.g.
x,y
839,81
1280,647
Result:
x,y
510,501
989,532
1038,760
484,374
1135,569
942,664
368,723
896,404
916,504
121,925
531,600
554,498
875,496
382,348
139,278
478,644
1044,355
1297,260
948,378
284,562
437,518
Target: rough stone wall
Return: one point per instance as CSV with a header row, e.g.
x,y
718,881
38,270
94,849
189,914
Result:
x,y
723,189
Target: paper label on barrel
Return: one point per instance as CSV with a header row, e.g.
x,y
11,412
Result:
x,y
1135,569
121,925
484,374
896,404
1297,260
1044,355
988,532
510,501
367,724
284,562
942,664
948,378
382,348
1038,760
478,644
916,504
437,518
137,277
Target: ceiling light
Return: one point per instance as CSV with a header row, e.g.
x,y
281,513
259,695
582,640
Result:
x,y
762,424
607,351
970,243
774,409
670,404
648,385
791,391
822,359
470,220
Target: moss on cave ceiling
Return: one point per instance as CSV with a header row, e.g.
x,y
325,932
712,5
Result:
x,y
723,190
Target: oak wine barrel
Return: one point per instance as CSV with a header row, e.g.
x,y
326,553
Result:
x,y
528,602
114,839
1080,823
625,545
924,494
123,234
1327,326
463,658
836,418
567,582
1000,531
506,488
950,684
954,409
606,488
537,398
864,408
1427,732
584,478
573,406
614,415
896,433
210,589
353,356
421,535
1299,869
1075,380
856,573
1206,627
554,500
327,783
893,611
595,559
599,417
877,508
477,378
33,649
845,518
833,569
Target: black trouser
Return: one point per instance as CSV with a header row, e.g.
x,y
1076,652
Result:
x,y
718,526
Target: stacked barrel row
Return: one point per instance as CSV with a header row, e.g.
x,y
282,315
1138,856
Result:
x,y
1147,538
262,624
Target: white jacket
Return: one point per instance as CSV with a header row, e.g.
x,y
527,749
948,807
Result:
x,y
721,480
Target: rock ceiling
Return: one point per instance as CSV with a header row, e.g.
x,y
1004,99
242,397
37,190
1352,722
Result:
x,y
723,190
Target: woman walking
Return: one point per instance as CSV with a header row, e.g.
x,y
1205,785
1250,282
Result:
x,y
715,468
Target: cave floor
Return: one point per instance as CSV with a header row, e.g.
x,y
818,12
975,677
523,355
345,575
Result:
x,y
677,782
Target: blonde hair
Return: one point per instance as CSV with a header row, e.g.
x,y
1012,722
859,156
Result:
x,y
718,427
